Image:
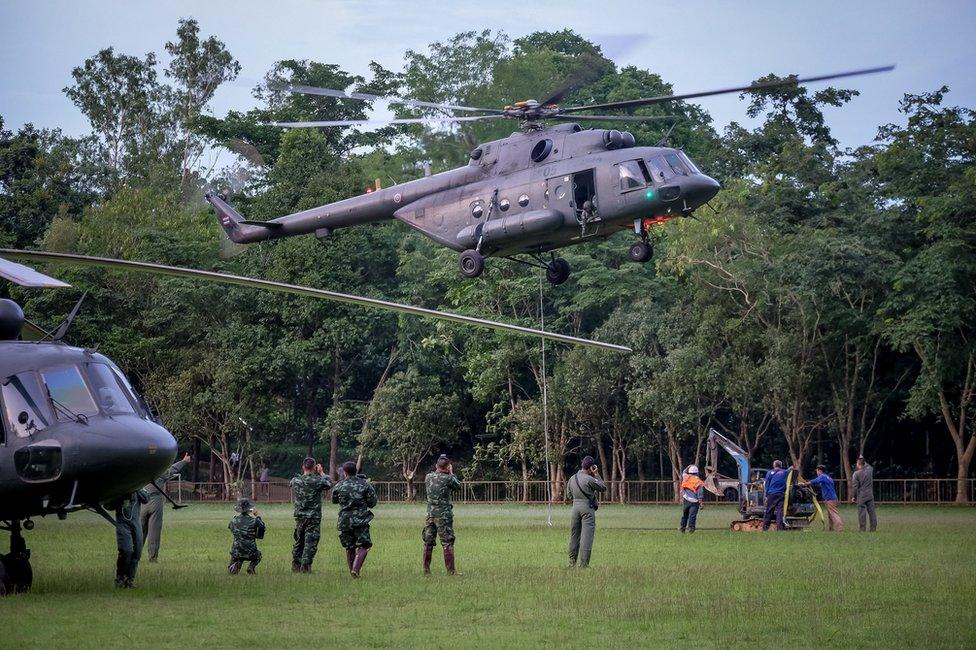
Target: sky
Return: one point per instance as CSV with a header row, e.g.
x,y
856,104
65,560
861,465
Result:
x,y
693,45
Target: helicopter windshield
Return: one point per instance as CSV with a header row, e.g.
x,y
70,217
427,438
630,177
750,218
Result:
x,y
107,390
68,392
24,403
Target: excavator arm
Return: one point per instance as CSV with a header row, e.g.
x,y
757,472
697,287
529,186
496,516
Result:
x,y
715,441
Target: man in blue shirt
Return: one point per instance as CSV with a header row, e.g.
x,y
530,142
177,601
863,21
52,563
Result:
x,y
828,494
775,491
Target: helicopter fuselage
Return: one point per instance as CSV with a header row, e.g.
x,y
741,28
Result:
x,y
73,433
531,192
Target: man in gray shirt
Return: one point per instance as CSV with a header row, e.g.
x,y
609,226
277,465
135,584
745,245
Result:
x,y
582,487
862,486
151,517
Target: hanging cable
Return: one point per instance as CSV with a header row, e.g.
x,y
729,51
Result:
x,y
545,405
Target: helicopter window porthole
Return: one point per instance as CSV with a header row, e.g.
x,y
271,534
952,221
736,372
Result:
x,y
25,404
523,200
541,150
477,209
504,205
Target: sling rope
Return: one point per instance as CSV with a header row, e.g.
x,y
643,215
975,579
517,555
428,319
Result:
x,y
545,405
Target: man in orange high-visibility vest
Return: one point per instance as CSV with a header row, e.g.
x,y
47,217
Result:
x,y
692,493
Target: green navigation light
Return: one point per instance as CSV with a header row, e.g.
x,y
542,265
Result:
x,y
649,194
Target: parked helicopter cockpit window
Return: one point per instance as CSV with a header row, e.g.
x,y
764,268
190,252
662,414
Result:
x,y
524,200
142,409
107,390
24,404
632,175
69,393
504,205
477,209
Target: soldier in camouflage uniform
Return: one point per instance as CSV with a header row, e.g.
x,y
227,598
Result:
x,y
246,528
307,491
151,515
128,537
355,496
440,484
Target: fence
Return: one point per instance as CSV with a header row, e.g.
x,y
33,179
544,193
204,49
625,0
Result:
x,y
895,490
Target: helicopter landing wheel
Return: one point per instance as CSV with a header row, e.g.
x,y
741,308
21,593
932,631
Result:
x,y
640,252
16,574
471,263
557,271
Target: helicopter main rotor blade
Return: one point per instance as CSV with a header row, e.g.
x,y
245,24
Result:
x,y
243,281
366,97
25,276
787,81
406,120
618,118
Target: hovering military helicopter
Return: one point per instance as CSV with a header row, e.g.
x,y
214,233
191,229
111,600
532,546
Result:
x,y
539,190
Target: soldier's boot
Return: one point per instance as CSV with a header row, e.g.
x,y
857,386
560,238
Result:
x,y
357,564
252,567
305,568
428,554
234,567
296,567
350,558
449,560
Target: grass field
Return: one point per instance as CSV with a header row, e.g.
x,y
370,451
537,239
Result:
x,y
913,583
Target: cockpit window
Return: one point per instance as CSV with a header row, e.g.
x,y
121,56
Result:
x,y
684,157
108,392
24,403
142,409
631,175
675,163
68,392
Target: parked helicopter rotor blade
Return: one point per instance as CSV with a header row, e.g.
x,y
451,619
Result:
x,y
25,276
407,120
366,97
238,280
786,81
618,118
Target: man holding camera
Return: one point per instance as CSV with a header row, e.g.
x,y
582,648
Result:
x,y
307,490
440,485
582,488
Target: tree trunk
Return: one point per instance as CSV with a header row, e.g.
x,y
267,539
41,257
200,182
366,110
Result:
x,y
525,481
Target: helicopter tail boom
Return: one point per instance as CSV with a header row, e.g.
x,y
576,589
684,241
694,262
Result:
x,y
239,229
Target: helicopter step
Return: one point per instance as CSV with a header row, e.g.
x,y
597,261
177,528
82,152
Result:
x,y
16,574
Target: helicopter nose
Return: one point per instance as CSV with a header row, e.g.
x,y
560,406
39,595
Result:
x,y
700,189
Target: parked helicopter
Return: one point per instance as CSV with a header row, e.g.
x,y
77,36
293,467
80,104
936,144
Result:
x,y
539,190
75,434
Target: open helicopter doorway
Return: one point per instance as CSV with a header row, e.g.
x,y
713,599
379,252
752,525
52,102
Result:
x,y
584,196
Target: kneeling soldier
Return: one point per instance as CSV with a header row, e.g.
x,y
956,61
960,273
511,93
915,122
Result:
x,y
355,496
246,529
440,484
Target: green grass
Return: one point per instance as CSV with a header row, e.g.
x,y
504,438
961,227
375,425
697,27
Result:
x,y
913,583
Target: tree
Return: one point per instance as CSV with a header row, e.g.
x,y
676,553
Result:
x,y
198,68
409,416
929,171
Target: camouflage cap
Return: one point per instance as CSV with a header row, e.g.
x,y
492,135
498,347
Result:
x,y
244,505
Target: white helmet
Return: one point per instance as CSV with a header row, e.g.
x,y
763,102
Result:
x,y
692,469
